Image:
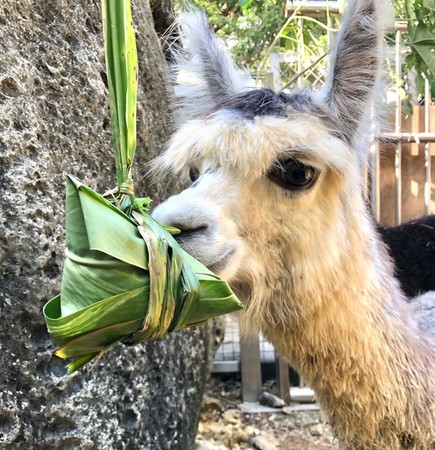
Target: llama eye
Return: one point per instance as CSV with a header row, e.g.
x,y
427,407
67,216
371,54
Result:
x,y
193,174
293,175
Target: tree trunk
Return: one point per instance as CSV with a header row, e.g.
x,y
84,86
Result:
x,y
54,120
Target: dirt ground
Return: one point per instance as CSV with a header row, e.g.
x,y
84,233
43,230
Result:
x,y
224,426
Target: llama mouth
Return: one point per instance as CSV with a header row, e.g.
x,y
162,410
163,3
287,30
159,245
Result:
x,y
222,262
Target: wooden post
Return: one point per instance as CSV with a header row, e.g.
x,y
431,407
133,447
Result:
x,y
283,379
250,368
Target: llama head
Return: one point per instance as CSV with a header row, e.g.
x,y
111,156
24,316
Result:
x,y
277,178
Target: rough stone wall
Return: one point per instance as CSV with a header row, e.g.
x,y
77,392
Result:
x,y
54,120
162,14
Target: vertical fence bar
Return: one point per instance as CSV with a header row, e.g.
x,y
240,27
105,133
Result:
x,y
329,30
282,370
250,366
398,129
366,179
275,68
427,156
301,52
374,177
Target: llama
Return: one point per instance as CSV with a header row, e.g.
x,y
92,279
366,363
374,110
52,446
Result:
x,y
276,207
412,248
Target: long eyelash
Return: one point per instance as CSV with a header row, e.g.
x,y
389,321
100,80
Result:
x,y
279,164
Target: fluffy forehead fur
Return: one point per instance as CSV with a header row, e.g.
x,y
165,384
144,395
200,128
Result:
x,y
229,141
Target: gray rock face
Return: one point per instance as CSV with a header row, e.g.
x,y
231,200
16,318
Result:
x,y
54,120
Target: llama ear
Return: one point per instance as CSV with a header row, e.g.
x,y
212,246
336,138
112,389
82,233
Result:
x,y
355,64
204,73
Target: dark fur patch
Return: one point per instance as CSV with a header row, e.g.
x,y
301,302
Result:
x,y
412,247
265,102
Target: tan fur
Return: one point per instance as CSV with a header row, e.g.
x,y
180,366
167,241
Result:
x,y
340,320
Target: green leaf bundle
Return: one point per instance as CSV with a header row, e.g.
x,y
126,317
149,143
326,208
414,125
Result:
x,y
125,278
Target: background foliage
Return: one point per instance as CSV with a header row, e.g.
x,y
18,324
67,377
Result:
x,y
247,26
420,17
254,28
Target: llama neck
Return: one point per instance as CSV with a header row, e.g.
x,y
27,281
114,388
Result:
x,y
350,334
349,309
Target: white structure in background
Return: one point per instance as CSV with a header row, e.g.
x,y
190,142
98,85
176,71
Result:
x,y
319,7
296,10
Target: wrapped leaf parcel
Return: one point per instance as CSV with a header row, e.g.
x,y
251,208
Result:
x,y
125,279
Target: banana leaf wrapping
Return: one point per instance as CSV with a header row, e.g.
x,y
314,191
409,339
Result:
x,y
125,279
